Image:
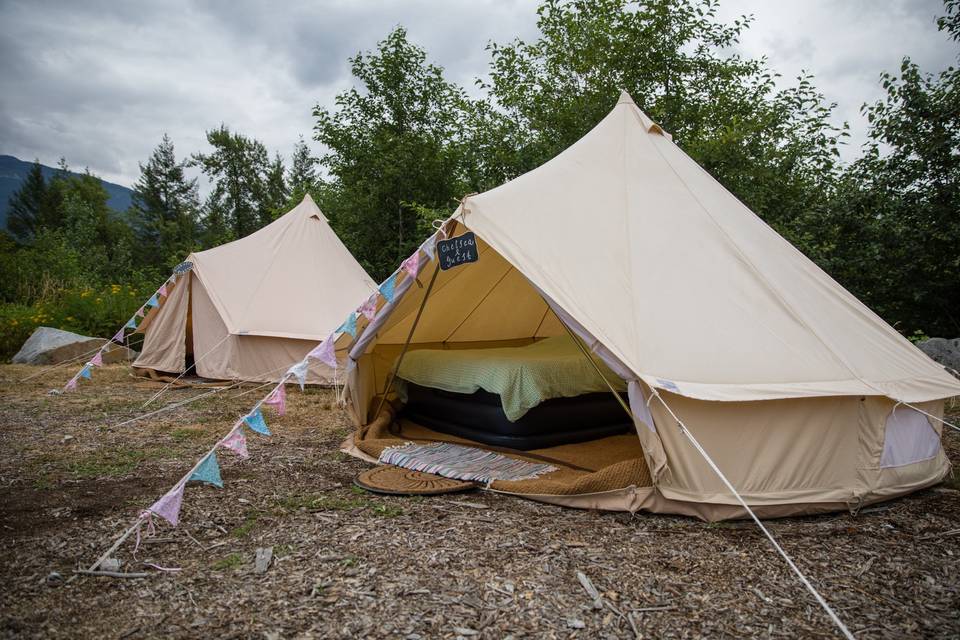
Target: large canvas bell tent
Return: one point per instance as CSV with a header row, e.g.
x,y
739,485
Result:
x,y
704,313
249,308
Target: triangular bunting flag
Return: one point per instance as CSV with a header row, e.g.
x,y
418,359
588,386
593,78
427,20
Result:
x,y
429,246
97,359
118,337
412,264
237,442
369,308
350,325
131,324
168,507
162,290
256,422
140,312
325,352
71,385
278,399
153,302
85,372
386,289
208,471
299,371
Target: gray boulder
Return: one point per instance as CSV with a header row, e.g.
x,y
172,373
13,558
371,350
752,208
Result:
x,y
52,346
946,352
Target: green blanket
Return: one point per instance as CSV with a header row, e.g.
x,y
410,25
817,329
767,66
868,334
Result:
x,y
522,376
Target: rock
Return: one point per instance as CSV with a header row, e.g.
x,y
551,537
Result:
x,y
574,623
52,346
110,564
262,561
946,352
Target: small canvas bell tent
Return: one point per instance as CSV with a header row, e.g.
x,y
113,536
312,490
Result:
x,y
700,310
249,308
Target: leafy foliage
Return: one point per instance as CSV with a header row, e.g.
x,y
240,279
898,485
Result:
x,y
245,189
395,148
892,230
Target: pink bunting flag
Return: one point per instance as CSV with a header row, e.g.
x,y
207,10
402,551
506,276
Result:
x,y
369,308
412,264
97,359
325,352
168,507
140,312
118,337
72,385
278,399
236,442
162,291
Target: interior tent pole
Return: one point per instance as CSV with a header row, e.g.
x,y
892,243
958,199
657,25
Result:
x,y
403,352
820,599
589,357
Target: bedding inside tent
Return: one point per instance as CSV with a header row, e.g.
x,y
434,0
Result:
x,y
545,393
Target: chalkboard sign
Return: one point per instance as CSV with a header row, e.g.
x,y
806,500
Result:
x,y
457,251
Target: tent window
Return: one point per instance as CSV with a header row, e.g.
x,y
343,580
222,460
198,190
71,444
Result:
x,y
908,438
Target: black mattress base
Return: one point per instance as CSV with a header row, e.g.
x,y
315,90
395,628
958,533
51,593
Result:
x,y
479,417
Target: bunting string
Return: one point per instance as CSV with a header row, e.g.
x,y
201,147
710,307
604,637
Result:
x,y
177,405
207,468
65,363
120,337
185,371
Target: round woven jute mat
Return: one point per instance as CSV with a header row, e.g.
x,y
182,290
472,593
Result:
x,y
405,482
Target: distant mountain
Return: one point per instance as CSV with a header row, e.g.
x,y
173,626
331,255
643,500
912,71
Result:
x,y
14,171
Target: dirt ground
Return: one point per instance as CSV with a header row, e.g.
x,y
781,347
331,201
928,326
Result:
x,y
349,564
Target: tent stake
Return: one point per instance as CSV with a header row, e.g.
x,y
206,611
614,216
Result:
x,y
403,352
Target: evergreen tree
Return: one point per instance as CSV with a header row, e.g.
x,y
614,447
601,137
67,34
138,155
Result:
x,y
27,204
165,208
302,177
276,193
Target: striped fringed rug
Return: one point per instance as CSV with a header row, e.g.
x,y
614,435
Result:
x,y
462,463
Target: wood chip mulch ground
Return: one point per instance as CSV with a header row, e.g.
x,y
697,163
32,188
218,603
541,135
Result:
x,y
348,564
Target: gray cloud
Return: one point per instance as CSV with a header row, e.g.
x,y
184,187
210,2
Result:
x,y
99,81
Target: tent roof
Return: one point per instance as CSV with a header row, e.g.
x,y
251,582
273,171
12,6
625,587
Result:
x,y
683,283
293,278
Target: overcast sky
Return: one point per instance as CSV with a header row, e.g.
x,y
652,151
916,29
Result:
x,y
99,82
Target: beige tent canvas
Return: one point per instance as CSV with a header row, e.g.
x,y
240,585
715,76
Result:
x,y
248,309
700,310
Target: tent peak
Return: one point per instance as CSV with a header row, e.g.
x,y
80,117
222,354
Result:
x,y
312,210
645,120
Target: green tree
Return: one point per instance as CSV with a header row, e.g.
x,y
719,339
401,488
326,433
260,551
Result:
x,y
27,205
238,166
774,148
165,208
276,191
395,146
897,242
303,173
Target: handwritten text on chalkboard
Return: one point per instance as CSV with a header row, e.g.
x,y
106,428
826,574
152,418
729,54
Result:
x,y
457,251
